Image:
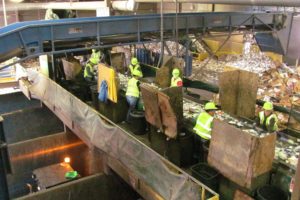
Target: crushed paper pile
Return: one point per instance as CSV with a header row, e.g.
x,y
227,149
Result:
x,y
209,69
278,83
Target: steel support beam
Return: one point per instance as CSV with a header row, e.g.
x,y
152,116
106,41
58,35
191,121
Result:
x,y
65,32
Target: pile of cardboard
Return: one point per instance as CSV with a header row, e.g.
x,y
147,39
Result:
x,y
281,85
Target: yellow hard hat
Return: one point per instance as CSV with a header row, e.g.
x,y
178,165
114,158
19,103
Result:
x,y
210,106
268,106
175,72
134,61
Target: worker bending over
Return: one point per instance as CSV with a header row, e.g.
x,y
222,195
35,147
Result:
x,y
267,119
89,71
203,129
133,92
135,66
176,81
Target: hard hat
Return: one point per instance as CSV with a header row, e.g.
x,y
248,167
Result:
x,y
210,106
96,54
134,61
137,73
175,72
268,106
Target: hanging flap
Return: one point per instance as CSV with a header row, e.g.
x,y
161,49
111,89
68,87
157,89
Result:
x,y
168,116
152,112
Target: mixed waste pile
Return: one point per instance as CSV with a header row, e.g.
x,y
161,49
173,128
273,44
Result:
x,y
279,83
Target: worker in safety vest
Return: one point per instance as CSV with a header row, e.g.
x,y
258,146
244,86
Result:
x,y
267,119
204,121
89,71
135,66
176,81
133,92
203,129
96,55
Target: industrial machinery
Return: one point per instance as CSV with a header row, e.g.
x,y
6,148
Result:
x,y
148,172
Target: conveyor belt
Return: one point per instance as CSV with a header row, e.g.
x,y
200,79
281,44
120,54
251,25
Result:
x,y
29,39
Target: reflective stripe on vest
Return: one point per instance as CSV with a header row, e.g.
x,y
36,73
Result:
x,y
86,74
268,120
175,81
273,116
132,88
261,117
135,67
203,125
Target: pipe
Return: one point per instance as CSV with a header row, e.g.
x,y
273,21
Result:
x,y
92,5
4,12
129,5
283,3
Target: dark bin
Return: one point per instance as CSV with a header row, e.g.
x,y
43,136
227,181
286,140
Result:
x,y
137,122
180,150
158,141
227,188
94,94
78,89
206,174
269,192
116,112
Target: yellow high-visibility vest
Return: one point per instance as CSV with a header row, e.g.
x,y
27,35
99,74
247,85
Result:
x,y
132,88
203,125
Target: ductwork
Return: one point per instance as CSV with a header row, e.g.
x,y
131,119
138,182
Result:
x,y
129,5
283,3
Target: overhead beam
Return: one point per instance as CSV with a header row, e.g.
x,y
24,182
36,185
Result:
x,y
28,38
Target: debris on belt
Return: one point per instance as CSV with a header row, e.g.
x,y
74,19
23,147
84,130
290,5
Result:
x,y
191,110
287,151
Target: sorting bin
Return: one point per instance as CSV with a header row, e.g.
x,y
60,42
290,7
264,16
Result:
x,y
206,174
180,150
158,141
116,112
269,192
137,122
